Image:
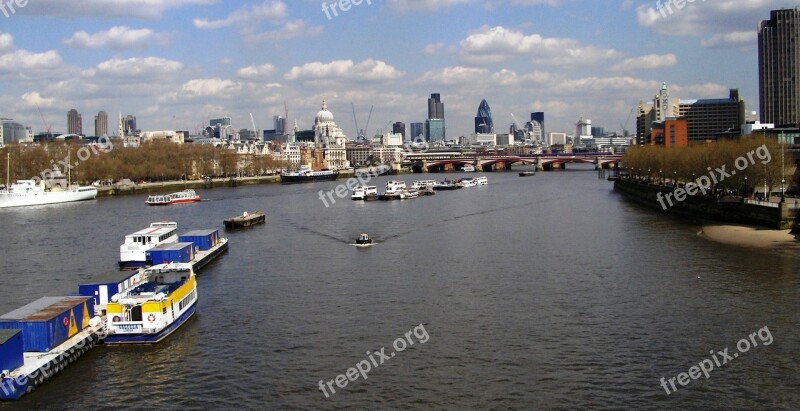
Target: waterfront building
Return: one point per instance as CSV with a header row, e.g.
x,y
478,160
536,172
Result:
x,y
74,122
707,119
483,120
672,132
12,131
400,128
101,124
358,154
505,139
779,68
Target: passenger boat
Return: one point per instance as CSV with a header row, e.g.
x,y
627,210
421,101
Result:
x,y
185,196
393,190
246,220
409,193
361,192
468,182
423,184
155,308
447,185
482,181
305,175
469,168
133,252
527,174
363,239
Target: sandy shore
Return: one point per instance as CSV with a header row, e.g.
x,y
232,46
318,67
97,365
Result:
x,y
751,237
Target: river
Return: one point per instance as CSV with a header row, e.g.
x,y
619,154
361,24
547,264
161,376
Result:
x,y
547,292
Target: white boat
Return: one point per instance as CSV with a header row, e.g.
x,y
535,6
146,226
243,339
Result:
x,y
185,196
469,168
423,184
28,193
482,181
362,192
151,311
133,252
395,187
409,193
468,182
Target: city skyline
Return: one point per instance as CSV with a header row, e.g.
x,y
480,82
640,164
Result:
x,y
177,64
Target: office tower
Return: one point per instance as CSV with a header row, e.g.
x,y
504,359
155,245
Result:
x,y
483,120
778,62
434,125
101,124
399,128
417,131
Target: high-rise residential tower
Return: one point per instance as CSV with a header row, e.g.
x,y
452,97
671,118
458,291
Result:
x,y
101,124
74,122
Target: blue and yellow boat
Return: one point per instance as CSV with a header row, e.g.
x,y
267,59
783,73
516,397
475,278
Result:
x,y
150,311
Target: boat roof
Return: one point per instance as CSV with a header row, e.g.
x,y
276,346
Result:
x,y
44,309
171,247
153,231
113,277
199,233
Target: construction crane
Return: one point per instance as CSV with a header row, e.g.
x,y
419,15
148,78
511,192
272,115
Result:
x,y
363,132
253,122
46,126
354,117
624,129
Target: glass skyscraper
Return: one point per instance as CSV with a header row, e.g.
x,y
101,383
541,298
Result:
x,y
778,60
483,121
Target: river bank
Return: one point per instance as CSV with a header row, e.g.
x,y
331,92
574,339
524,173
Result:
x,y
778,216
750,236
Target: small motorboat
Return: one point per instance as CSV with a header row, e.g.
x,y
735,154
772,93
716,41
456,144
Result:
x,y
246,220
527,174
364,239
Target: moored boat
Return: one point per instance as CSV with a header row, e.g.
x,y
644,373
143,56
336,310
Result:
x,y
305,175
482,181
409,193
28,193
133,252
246,220
181,197
527,173
164,300
363,192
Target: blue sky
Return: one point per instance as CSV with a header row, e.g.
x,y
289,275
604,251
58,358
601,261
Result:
x,y
177,63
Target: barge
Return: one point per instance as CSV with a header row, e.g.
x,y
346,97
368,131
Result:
x,y
246,220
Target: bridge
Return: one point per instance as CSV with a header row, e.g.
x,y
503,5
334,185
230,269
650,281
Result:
x,y
454,161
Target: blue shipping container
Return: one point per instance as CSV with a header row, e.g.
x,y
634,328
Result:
x,y
47,322
103,287
171,253
202,239
11,356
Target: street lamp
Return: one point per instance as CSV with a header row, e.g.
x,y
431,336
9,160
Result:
x,y
744,194
648,175
660,177
783,180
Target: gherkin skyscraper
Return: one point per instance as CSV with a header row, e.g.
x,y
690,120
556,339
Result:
x,y
483,121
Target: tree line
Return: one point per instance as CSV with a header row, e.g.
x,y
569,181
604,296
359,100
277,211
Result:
x,y
151,162
731,163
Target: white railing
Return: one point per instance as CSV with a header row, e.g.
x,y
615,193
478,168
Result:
x,y
762,203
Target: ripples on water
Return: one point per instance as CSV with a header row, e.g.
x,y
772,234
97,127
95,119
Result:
x,y
540,293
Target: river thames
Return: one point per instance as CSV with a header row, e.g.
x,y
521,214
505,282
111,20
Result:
x,y
548,292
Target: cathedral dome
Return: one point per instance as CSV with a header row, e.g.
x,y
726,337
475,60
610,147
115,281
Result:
x,y
324,116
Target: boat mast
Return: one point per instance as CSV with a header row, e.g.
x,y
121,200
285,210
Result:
x,y
69,168
8,169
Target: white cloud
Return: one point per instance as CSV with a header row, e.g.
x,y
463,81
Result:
x,y
117,37
648,62
137,67
34,99
407,6
498,44
6,43
344,69
256,72
141,9
23,60
735,39
289,30
270,10
433,48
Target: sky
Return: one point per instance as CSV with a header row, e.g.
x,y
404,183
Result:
x,y
175,64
